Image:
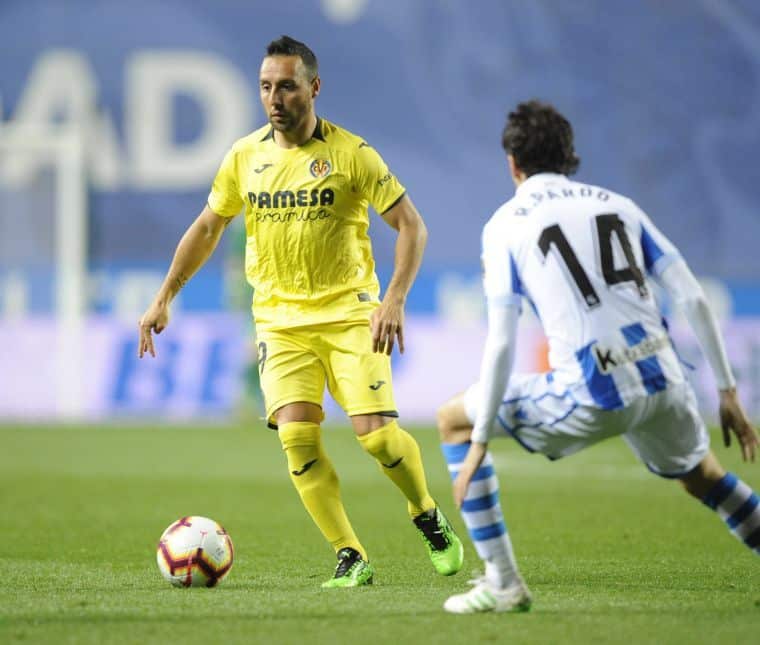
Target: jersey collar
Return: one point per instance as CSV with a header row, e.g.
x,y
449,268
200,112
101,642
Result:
x,y
532,182
317,134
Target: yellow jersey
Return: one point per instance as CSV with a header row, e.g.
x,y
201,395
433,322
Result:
x,y
308,253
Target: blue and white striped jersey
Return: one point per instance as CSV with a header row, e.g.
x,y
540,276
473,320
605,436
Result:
x,y
583,256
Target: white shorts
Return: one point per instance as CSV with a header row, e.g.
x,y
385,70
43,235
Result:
x,y
664,430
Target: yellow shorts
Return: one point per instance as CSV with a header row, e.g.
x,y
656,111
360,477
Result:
x,y
295,365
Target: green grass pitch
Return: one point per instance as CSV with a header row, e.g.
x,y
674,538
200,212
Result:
x,y
612,553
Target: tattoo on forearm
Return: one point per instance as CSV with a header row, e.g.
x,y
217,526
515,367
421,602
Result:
x,y
180,281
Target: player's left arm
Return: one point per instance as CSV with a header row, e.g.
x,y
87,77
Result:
x,y
688,295
387,321
503,296
665,265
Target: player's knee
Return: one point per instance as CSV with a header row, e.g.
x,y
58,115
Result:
x,y
299,433
448,418
382,443
443,421
301,442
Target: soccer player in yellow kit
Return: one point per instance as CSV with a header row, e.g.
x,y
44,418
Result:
x,y
304,185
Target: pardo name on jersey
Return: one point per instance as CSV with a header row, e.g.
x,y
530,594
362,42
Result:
x,y
584,192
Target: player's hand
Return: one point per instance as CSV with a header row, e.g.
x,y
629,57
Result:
x,y
387,324
155,319
471,463
734,419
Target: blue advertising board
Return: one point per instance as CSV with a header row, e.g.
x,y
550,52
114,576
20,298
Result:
x,y
662,96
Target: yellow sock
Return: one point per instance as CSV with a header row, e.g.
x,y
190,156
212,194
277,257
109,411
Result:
x,y
399,457
315,480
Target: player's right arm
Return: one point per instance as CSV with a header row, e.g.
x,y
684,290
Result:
x,y
195,247
666,265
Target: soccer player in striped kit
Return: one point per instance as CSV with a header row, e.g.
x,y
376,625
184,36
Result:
x,y
583,256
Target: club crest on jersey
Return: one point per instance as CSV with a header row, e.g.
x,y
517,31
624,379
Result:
x,y
320,168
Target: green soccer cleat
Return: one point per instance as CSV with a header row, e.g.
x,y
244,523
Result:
x,y
352,570
445,548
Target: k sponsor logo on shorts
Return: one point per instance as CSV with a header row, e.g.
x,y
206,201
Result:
x,y
608,359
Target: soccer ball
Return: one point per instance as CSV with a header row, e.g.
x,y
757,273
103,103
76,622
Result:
x,y
194,552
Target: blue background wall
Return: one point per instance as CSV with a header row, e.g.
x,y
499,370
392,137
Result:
x,y
664,98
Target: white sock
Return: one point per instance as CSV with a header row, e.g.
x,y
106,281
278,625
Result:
x,y
739,507
481,512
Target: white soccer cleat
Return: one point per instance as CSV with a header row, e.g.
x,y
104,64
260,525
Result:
x,y
484,597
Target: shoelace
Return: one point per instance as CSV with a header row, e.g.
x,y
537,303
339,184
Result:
x,y
433,531
346,559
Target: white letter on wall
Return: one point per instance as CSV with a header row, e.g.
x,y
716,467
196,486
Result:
x,y
62,88
222,94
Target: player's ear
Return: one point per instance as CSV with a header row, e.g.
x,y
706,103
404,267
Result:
x,y
512,165
514,170
316,84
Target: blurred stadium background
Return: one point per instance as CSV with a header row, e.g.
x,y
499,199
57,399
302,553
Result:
x,y
114,117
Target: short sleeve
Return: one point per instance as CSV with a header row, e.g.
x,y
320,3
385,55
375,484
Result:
x,y
658,250
501,276
377,184
224,198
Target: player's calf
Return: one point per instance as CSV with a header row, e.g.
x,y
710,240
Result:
x,y
704,477
317,484
482,515
398,456
734,501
